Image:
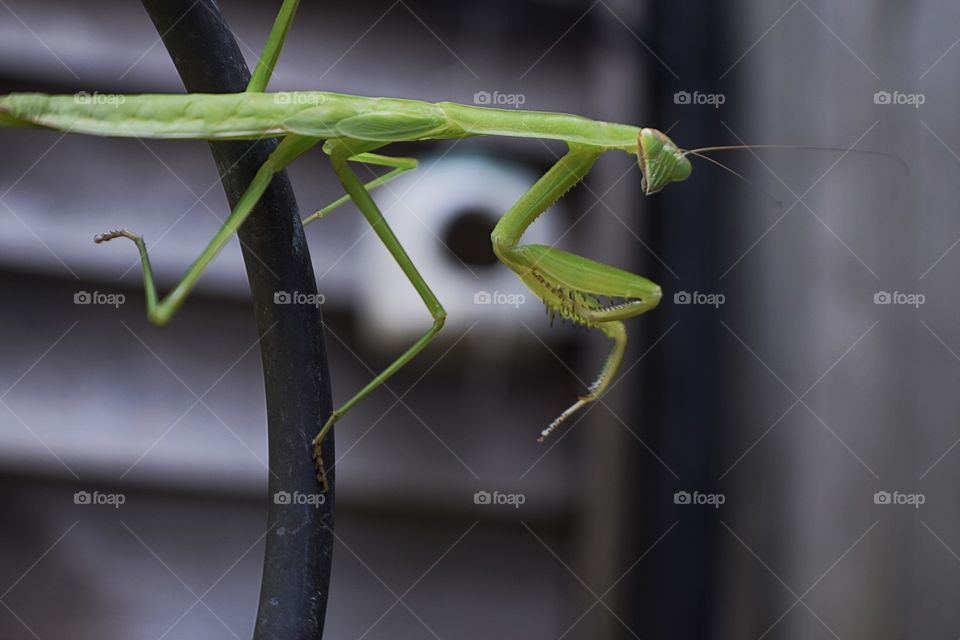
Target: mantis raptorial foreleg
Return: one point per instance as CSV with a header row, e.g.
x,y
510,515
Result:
x,y
572,285
400,166
341,151
161,311
618,333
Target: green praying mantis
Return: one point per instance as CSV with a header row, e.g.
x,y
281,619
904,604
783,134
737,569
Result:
x,y
352,129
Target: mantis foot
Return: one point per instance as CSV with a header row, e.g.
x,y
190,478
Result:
x,y
321,469
318,453
115,233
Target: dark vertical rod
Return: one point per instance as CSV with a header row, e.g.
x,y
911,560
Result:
x,y
299,545
680,402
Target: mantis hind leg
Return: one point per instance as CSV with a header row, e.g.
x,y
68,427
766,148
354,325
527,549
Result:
x,y
400,166
160,312
341,152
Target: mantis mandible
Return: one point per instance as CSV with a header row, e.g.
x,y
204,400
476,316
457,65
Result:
x,y
352,129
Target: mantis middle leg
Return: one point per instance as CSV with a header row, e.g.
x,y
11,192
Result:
x,y
400,166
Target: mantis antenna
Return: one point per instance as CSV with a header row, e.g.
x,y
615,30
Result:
x,y
745,147
753,184
800,147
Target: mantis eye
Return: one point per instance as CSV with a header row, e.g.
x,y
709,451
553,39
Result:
x,y
661,161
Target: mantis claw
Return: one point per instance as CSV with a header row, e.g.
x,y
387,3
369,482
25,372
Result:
x,y
576,406
318,453
321,469
115,233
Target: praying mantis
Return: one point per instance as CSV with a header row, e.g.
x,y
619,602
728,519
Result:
x,y
352,129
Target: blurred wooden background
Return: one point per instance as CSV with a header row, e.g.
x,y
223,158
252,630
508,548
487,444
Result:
x,y
798,399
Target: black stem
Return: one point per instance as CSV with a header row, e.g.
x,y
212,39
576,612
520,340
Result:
x,y
299,544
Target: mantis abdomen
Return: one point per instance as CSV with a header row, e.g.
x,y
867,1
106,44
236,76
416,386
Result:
x,y
318,114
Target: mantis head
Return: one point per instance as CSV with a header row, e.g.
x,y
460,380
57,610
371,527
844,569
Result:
x,y
661,161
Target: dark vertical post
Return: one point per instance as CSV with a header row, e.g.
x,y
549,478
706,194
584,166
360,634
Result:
x,y
679,405
296,574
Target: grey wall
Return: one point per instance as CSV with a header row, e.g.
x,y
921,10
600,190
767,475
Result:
x,y
878,406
